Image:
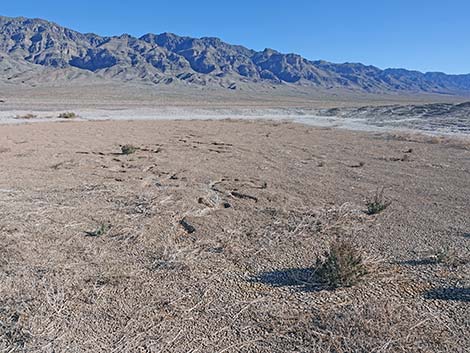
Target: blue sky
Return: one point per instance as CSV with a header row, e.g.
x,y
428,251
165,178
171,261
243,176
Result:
x,y
432,35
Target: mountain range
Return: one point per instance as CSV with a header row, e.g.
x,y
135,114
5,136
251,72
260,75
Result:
x,y
36,50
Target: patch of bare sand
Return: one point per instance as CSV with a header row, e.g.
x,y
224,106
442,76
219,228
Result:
x,y
96,252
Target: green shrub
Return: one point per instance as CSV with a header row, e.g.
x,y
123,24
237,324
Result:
x,y
342,265
67,115
128,149
378,203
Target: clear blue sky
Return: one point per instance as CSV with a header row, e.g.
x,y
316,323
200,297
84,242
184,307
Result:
x,y
426,35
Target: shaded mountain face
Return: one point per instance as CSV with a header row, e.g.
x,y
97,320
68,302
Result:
x,y
30,45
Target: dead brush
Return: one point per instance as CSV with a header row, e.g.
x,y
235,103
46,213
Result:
x,y
378,203
378,325
448,257
343,265
338,221
101,230
13,335
171,256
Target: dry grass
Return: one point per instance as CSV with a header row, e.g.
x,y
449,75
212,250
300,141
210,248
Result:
x,y
378,325
101,230
449,257
238,283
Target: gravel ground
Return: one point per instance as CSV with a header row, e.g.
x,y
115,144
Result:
x,y
206,238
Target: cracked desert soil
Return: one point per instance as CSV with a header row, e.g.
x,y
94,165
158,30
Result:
x,y
204,239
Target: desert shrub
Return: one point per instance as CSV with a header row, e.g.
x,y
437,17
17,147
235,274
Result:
x,y
128,149
448,257
67,115
101,230
378,203
26,116
343,265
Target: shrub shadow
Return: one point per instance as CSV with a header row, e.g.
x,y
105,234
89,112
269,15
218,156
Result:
x,y
301,279
450,293
418,262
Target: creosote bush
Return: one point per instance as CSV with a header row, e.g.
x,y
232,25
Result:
x,y
343,265
378,203
128,149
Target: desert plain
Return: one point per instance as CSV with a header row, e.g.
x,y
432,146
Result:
x,y
206,235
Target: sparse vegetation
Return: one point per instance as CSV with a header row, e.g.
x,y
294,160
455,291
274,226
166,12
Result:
x,y
376,325
128,149
101,230
67,115
378,203
26,116
248,264
343,265
448,257
12,331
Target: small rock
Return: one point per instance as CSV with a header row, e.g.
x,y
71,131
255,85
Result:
x,y
187,226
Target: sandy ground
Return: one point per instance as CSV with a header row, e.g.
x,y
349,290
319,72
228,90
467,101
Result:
x,y
265,200
113,101
436,126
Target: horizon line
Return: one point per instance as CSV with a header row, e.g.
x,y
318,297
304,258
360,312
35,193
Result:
x,y
242,45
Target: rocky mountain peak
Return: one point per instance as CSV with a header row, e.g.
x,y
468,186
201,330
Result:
x,y
165,58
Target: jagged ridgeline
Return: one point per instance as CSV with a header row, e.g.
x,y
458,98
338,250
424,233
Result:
x,y
30,47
